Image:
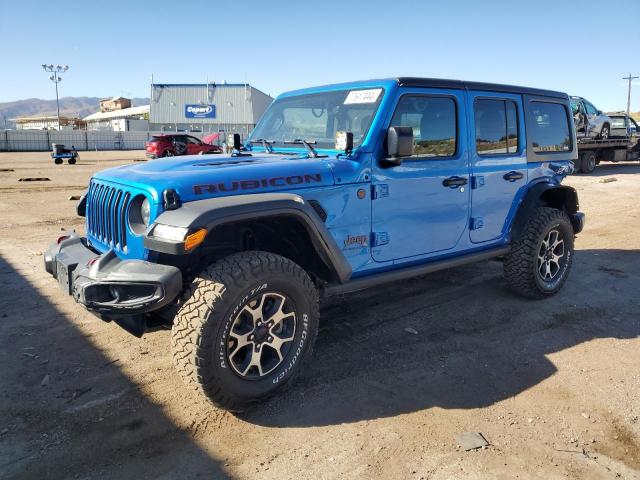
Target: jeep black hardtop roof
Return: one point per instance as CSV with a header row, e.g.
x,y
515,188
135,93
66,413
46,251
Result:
x,y
463,85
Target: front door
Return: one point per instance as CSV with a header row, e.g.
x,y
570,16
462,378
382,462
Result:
x,y
194,146
422,206
498,162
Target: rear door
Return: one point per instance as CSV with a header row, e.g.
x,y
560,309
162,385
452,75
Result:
x,y
417,208
498,161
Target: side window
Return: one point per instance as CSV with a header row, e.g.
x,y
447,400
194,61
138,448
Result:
x,y
591,110
434,123
550,132
496,126
193,140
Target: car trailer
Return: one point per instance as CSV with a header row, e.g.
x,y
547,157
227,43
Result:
x,y
591,152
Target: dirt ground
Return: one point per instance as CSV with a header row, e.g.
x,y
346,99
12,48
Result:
x,y
553,385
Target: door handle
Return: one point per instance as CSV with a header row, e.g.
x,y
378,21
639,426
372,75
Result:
x,y
454,182
512,176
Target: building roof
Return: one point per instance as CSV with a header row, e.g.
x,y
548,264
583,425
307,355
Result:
x,y
44,118
113,99
210,84
123,113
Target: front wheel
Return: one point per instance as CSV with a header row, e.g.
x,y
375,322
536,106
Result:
x,y
604,133
247,325
540,259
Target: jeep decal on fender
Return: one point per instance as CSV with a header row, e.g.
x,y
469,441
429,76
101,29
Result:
x,y
255,184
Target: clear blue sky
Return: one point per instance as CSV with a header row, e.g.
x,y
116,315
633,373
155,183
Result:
x,y
581,47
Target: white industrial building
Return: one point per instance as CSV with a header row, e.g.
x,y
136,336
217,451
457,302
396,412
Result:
x,y
49,122
132,119
206,107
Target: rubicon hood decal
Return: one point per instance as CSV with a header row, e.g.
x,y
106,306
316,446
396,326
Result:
x,y
291,181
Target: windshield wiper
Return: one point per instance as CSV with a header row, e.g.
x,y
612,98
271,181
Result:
x,y
307,144
265,143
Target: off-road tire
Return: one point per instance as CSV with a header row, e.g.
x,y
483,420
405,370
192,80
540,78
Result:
x,y
202,328
520,266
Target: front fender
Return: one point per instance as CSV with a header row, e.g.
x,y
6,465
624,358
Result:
x,y
214,212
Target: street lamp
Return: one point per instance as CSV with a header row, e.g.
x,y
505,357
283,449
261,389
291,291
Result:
x,y
56,70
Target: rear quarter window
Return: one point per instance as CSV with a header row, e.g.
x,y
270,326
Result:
x,y
550,132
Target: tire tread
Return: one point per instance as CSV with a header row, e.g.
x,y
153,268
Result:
x,y
192,349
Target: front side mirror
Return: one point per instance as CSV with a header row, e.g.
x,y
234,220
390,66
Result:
x,y
600,112
399,144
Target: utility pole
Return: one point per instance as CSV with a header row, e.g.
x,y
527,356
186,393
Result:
x,y
629,78
56,70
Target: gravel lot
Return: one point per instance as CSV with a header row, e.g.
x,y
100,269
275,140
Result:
x,y
552,385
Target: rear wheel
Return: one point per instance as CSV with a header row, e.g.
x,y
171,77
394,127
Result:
x,y
540,259
588,161
245,329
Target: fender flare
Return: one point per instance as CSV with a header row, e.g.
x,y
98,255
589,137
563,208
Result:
x,y
545,194
214,212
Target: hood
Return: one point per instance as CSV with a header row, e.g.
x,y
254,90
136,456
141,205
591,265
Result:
x,y
197,177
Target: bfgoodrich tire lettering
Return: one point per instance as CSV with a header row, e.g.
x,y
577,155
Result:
x,y
540,259
205,333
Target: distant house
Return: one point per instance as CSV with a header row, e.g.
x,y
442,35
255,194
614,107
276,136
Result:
x,y
114,103
120,120
49,122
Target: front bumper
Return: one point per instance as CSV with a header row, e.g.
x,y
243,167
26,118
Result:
x,y
108,285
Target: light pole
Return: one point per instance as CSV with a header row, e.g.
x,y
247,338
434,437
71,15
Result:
x,y
630,78
56,70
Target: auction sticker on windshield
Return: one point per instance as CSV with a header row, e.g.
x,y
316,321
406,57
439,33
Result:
x,y
362,96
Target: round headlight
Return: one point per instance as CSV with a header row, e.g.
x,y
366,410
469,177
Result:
x,y
145,212
139,214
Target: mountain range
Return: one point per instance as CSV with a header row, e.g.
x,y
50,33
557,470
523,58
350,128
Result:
x,y
69,107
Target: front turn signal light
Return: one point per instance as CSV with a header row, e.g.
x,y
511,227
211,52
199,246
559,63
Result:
x,y
195,239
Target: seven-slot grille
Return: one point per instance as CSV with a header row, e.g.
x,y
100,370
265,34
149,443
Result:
x,y
107,214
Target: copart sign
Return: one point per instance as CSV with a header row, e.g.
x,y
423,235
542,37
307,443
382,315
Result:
x,y
200,111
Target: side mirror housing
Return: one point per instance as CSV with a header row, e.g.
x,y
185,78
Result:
x,y
399,144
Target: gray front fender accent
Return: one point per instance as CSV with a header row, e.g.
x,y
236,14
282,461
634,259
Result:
x,y
213,212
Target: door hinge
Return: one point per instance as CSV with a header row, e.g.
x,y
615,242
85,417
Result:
x,y
476,223
477,181
379,190
379,238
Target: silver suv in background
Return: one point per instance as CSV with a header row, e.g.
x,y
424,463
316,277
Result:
x,y
590,122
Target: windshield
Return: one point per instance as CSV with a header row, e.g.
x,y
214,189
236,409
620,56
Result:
x,y
318,117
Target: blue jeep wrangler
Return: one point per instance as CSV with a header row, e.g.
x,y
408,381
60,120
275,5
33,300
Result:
x,y
338,188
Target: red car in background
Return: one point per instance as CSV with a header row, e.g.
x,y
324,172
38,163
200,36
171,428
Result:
x,y
177,144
